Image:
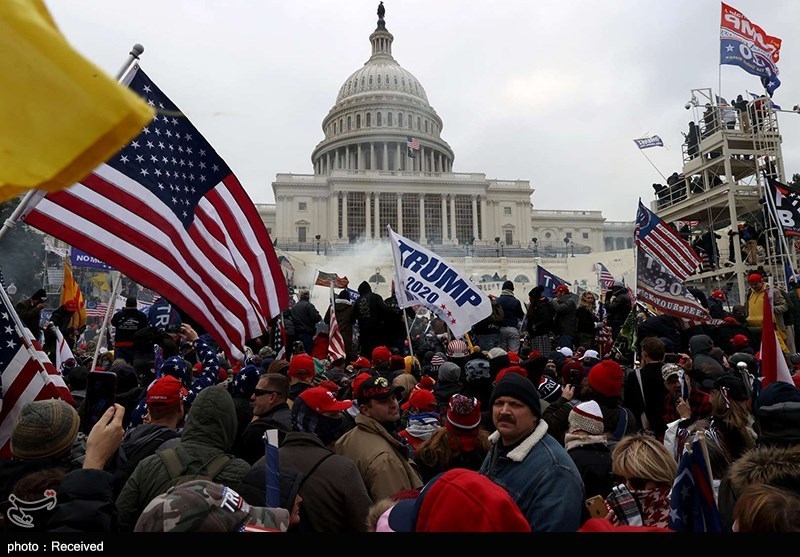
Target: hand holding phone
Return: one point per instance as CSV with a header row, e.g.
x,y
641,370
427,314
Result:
x,y
101,393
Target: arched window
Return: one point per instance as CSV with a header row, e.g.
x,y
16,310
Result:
x,y
341,124
362,82
369,119
400,119
334,128
370,80
389,119
418,123
349,123
426,126
379,79
395,81
379,119
358,121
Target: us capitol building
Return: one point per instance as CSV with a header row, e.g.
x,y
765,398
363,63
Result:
x,y
368,172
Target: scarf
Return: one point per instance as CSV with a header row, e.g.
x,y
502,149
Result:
x,y
462,440
572,441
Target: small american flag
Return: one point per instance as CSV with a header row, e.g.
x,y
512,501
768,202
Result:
x,y
98,310
145,297
606,278
413,143
336,349
27,373
279,338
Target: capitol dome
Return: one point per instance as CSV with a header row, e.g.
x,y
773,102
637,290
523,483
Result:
x,y
378,108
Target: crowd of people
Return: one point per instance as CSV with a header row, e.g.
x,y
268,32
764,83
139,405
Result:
x,y
543,406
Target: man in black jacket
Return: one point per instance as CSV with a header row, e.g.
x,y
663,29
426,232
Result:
x,y
371,312
652,385
127,321
305,317
30,311
270,411
618,306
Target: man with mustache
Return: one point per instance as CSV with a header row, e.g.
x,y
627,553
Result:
x,y
534,468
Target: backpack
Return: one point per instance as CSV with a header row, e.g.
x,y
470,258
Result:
x,y
497,315
128,457
177,470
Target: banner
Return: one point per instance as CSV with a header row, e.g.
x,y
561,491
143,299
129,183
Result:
x,y
328,279
787,206
665,292
746,45
161,315
423,277
80,258
646,142
549,281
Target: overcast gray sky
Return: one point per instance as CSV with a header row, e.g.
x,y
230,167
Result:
x,y
551,92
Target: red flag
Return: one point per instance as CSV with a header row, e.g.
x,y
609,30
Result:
x,y
169,213
773,364
336,349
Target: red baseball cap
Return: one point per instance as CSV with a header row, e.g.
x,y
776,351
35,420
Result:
x,y
740,340
301,366
362,363
360,378
755,277
561,288
422,399
381,355
320,399
166,391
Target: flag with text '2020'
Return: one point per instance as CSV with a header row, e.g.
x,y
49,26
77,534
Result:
x,y
744,44
423,277
167,212
664,244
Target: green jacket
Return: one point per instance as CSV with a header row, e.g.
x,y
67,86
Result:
x,y
210,430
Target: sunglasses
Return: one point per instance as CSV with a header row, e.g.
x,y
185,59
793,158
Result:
x,y
637,484
262,392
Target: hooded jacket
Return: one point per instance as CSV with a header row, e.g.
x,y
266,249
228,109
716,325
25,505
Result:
x,y
700,347
210,431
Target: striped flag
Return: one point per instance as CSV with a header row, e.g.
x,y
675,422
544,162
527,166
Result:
x,y
97,310
413,145
279,338
145,297
606,278
27,373
773,363
692,504
664,244
331,279
169,213
63,351
336,349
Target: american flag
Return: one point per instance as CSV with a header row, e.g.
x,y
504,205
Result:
x,y
331,279
336,349
413,143
145,297
27,373
168,212
96,309
279,338
664,244
692,504
606,278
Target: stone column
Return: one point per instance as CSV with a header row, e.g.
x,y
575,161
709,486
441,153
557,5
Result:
x,y
345,232
433,161
421,158
398,163
453,235
368,217
359,161
484,232
372,162
333,223
328,162
475,216
422,238
444,218
377,216
347,157
399,213
385,155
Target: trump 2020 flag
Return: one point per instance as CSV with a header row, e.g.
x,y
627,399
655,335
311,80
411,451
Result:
x,y
423,277
168,213
744,44
646,142
549,281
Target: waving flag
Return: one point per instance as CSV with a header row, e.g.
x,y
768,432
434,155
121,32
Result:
x,y
754,97
423,277
773,363
168,212
664,244
413,145
549,280
646,142
746,45
26,373
63,351
692,504
606,278
336,349
71,292
60,116
331,279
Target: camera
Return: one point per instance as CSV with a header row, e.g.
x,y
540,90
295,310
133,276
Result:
x,y
687,106
671,358
173,329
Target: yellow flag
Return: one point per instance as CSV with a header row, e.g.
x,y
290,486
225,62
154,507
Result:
x,y
71,292
60,116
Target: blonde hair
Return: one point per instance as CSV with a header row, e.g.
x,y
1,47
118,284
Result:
x,y
582,301
642,456
736,415
766,508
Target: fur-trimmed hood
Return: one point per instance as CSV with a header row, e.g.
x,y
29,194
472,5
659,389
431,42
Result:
x,y
773,465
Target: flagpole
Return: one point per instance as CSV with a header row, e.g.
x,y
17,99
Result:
x,y
18,323
109,311
651,163
11,221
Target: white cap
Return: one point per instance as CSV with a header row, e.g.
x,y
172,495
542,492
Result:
x,y
590,354
566,351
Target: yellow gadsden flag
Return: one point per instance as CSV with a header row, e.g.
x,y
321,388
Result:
x,y
71,292
60,116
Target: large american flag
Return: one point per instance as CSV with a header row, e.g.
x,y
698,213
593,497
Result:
x,y
168,212
606,278
664,244
27,373
336,349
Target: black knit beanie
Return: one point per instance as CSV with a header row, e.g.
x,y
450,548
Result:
x,y
519,387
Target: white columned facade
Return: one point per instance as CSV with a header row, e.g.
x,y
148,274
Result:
x,y
453,236
345,232
377,215
485,233
372,163
368,217
444,219
422,238
399,212
385,155
474,216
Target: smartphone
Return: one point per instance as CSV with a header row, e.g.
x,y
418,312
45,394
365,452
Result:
x,y
101,393
672,358
596,507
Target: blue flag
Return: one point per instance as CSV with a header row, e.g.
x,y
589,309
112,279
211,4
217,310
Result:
x,y
692,507
549,281
774,106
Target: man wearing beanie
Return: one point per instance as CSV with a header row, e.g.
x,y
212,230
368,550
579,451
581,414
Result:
x,y
30,312
586,446
512,317
528,462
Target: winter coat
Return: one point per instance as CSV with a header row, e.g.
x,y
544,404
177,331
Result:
x,y
700,347
542,479
654,393
30,313
512,309
335,498
85,503
210,431
382,460
139,443
564,321
345,317
540,319
127,321
251,443
305,317
618,307
592,457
